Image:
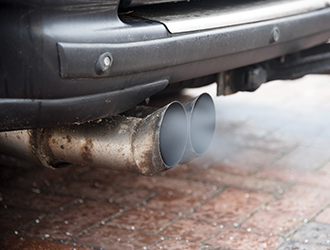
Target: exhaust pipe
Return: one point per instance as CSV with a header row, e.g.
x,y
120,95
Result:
x,y
141,145
201,126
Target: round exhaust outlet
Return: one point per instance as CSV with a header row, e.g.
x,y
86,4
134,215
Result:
x,y
173,134
202,123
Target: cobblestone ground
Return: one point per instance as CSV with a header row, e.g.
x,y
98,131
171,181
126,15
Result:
x,y
263,184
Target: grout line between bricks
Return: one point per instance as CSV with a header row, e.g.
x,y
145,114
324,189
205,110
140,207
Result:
x,y
239,223
290,234
122,179
276,158
216,194
184,215
44,215
56,240
121,211
165,237
275,197
295,230
190,211
197,170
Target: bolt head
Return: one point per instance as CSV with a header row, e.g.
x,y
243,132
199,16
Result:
x,y
103,63
275,35
106,61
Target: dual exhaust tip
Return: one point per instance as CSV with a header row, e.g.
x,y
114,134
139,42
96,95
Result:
x,y
186,130
141,140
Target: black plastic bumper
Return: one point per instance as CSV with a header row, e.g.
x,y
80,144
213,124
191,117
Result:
x,y
50,52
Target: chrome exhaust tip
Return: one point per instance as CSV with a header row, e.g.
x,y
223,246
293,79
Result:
x,y
167,130
173,135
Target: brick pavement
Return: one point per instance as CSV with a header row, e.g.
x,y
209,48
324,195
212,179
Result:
x,y
263,184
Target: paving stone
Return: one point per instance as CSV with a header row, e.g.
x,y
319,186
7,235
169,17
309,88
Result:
x,y
102,175
296,245
309,158
240,181
287,174
32,201
294,175
27,243
229,207
314,232
181,170
183,187
267,140
106,237
222,146
42,177
239,239
275,142
267,222
171,244
247,161
172,202
91,189
190,230
71,221
324,216
12,219
143,219
132,196
7,171
11,167
300,201
248,134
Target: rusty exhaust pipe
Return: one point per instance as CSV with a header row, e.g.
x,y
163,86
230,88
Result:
x,y
141,145
201,126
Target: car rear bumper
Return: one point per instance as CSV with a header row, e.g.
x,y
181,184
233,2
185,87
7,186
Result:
x,y
49,69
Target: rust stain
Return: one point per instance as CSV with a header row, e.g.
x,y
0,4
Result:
x,y
39,144
146,165
68,138
86,150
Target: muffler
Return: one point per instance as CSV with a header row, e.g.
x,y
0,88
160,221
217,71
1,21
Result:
x,y
141,145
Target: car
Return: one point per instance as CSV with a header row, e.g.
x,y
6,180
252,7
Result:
x,y
74,71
